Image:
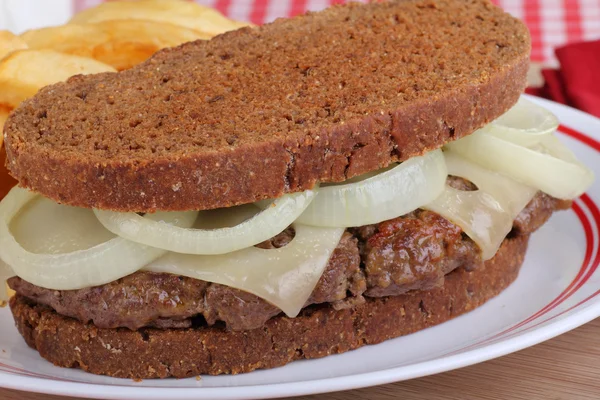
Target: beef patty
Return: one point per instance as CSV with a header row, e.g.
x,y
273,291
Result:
x,y
411,252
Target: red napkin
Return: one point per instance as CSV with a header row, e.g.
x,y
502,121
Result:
x,y
577,82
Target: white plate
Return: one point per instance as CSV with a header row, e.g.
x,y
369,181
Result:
x,y
556,291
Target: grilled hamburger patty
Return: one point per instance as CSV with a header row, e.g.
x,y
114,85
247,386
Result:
x,y
412,252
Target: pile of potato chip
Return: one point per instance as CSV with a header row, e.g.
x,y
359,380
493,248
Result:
x,y
113,36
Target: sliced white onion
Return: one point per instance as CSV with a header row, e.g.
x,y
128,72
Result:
x,y
525,123
377,198
63,247
552,145
44,227
486,215
262,226
552,169
284,277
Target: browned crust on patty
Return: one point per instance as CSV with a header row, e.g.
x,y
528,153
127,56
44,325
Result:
x,y
317,332
260,112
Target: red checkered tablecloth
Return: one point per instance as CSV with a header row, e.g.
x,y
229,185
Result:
x,y
552,22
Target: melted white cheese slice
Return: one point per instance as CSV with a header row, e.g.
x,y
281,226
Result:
x,y
284,277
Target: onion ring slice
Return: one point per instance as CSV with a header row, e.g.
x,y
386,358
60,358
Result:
x,y
525,124
549,167
96,265
264,225
377,198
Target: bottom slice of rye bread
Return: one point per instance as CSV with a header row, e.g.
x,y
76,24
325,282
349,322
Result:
x,y
317,332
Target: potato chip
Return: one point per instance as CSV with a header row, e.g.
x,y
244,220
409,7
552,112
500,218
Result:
x,y
9,292
6,181
24,72
177,12
4,111
9,43
120,43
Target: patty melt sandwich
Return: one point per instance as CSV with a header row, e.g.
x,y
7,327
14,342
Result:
x,y
284,192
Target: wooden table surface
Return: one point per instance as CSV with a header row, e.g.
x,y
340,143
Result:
x,y
564,368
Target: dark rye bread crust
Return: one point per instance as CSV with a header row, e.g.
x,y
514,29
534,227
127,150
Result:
x,y
317,332
257,113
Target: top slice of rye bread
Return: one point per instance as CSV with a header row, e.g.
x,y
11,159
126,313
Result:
x,y
260,112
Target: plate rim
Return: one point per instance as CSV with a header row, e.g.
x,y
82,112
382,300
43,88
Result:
x,y
346,382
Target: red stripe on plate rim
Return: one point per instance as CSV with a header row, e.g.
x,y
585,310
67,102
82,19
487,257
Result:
x,y
20,371
588,266
594,266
